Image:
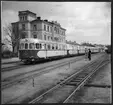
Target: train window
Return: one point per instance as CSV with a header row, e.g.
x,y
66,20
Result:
x,y
56,47
45,46
52,47
31,45
49,47
37,45
26,46
40,46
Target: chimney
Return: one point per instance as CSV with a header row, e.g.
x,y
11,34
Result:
x,y
46,20
39,18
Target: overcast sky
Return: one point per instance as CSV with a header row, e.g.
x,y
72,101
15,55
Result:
x,y
83,21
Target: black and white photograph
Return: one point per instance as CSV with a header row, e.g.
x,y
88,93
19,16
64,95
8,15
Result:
x,y
55,52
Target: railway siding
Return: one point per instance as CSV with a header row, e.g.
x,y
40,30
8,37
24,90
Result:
x,y
97,90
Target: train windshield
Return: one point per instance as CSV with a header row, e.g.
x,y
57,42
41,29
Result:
x,y
22,46
31,46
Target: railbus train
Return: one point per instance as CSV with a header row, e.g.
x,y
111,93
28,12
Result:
x,y
31,50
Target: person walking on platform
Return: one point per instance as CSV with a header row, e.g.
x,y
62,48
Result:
x,y
89,54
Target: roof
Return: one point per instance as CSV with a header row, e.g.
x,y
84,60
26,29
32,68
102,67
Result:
x,y
48,22
26,12
29,40
72,43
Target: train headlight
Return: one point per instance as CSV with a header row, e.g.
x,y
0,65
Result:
x,y
32,59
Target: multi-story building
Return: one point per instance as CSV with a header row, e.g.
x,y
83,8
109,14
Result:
x,y
31,26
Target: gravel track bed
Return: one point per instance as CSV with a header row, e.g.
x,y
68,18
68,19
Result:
x,y
43,82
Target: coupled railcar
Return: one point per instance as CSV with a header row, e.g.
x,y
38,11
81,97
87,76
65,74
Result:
x,y
31,49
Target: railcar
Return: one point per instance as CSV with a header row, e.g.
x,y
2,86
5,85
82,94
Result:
x,y
34,49
31,49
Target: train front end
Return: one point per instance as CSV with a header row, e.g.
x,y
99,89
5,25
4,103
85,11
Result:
x,y
28,50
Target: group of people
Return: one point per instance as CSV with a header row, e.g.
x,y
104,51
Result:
x,y
87,54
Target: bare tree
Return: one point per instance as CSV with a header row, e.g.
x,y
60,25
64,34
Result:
x,y
9,36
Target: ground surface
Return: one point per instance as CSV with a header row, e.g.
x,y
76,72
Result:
x,y
25,91
9,60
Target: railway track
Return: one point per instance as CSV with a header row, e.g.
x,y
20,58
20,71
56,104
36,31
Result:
x,y
4,69
7,82
21,65
60,84
10,62
77,80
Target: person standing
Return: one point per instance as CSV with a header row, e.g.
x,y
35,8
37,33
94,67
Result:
x,y
89,54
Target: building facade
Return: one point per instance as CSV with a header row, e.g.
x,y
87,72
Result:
x,y
31,26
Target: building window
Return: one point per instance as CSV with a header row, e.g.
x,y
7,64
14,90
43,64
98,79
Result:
x,y
51,29
48,37
23,35
26,46
55,29
25,17
23,26
34,36
44,27
44,37
20,18
48,28
51,38
34,27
